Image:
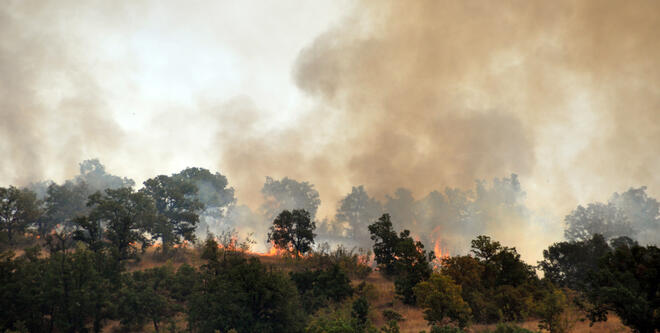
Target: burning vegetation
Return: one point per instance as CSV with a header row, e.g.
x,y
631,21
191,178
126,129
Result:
x,y
96,228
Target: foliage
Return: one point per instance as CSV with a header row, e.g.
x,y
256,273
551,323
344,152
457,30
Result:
x,y
445,329
568,264
627,283
293,231
63,204
93,174
597,218
400,256
64,292
145,297
642,211
496,283
239,293
177,207
122,217
510,328
289,194
18,209
318,287
390,315
354,262
440,298
351,316
553,312
212,189
357,210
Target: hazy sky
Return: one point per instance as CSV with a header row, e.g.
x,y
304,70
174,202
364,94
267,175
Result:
x,y
422,94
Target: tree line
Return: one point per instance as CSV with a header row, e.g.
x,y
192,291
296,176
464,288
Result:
x,y
72,274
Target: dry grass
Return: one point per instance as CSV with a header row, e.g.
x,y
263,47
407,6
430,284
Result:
x,y
386,299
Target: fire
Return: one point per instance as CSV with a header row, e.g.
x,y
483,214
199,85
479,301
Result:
x,y
440,253
273,251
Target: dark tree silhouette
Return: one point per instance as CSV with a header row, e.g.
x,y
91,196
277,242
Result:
x,y
293,231
177,207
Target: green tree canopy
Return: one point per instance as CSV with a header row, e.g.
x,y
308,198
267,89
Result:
x,y
18,210
177,206
293,231
441,299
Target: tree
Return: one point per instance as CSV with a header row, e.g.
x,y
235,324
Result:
x,y
401,206
358,210
18,209
554,311
627,283
145,296
385,241
440,298
293,231
484,248
239,293
121,216
400,256
64,203
569,264
597,218
212,189
359,314
177,208
317,287
289,194
93,173
642,211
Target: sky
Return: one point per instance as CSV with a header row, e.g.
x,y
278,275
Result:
x,y
420,94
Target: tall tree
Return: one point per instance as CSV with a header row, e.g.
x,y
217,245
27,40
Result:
x,y
288,194
93,173
628,283
212,189
293,231
569,264
401,207
123,216
642,211
64,203
18,209
400,256
358,210
177,207
597,218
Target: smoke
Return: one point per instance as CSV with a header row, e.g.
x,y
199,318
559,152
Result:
x,y
38,66
423,95
429,94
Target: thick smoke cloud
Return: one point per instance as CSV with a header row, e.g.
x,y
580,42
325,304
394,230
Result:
x,y
422,95
444,92
429,94
44,123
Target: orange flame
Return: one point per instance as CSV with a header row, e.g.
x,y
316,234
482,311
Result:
x,y
440,253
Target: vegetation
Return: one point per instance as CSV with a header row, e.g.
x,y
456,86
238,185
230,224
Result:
x,y
400,256
71,262
293,232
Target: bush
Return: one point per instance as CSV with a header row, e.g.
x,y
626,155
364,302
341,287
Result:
x,y
441,300
318,287
446,329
